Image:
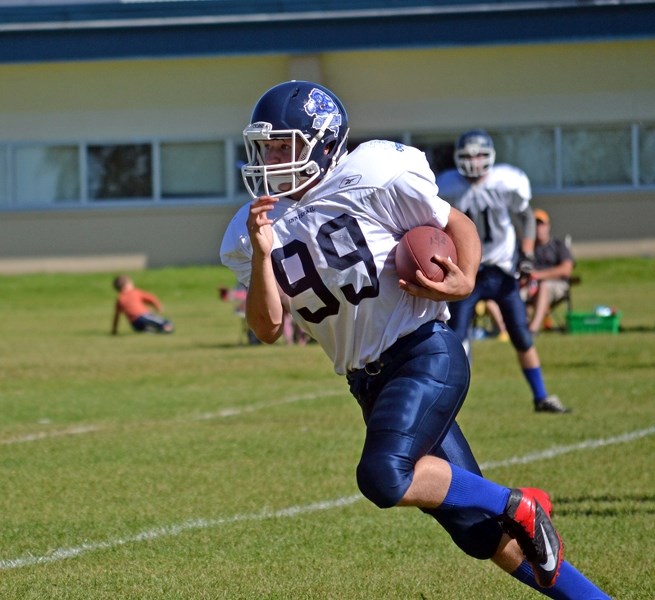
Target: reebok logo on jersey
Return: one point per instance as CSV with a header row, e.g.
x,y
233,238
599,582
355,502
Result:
x,y
352,180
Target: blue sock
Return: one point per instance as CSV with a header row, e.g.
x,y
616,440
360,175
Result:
x,y
570,585
468,490
536,381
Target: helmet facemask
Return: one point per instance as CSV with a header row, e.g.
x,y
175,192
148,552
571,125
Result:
x,y
298,173
263,179
314,123
474,154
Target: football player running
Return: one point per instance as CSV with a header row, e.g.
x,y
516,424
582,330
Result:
x,y
319,238
491,195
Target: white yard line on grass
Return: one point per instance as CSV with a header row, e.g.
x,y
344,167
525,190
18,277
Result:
x,y
293,511
172,530
559,450
44,435
219,414
231,412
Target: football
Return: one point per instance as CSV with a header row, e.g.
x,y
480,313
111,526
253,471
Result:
x,y
416,249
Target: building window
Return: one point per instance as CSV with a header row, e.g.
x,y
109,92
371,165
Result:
x,y
119,172
647,155
596,157
4,176
532,150
556,159
45,175
193,170
40,175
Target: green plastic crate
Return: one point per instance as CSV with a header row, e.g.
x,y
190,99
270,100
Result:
x,y
579,323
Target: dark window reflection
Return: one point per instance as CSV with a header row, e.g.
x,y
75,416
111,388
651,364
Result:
x,y
120,171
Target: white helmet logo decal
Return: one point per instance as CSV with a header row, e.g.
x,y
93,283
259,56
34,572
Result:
x,y
320,106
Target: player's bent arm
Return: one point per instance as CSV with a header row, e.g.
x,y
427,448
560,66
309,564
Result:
x,y
263,304
528,231
459,279
467,242
264,312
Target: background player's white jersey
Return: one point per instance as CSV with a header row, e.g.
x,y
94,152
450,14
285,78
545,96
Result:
x,y
489,202
333,251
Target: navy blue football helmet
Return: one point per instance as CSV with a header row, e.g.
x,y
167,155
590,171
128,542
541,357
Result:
x,y
315,122
474,153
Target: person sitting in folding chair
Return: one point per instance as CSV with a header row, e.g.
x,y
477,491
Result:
x,y
549,283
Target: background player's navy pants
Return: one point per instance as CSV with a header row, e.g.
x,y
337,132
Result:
x,y
409,408
493,283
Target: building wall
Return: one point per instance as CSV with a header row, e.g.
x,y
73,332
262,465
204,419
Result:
x,y
390,90
496,86
129,99
123,239
385,92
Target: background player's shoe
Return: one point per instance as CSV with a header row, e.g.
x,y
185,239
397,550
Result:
x,y
551,404
527,521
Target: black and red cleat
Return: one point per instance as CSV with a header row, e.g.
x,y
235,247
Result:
x,y
540,496
526,519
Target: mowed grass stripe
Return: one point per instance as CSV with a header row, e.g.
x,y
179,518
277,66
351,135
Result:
x,y
293,511
219,414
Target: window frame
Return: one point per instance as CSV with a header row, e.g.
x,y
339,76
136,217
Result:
x,y
233,152
233,192
559,187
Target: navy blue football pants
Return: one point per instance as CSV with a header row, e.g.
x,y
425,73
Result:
x,y
493,283
409,400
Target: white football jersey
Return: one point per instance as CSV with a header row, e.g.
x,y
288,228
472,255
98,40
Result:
x,y
333,251
236,250
489,204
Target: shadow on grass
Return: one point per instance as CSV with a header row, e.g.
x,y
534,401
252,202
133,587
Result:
x,y
605,505
225,346
637,329
556,331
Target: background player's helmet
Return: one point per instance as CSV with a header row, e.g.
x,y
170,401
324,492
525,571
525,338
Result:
x,y
474,153
315,121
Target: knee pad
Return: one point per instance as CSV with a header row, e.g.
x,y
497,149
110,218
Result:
x,y
521,338
383,480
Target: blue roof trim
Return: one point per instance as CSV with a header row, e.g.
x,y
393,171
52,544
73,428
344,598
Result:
x,y
81,10
165,29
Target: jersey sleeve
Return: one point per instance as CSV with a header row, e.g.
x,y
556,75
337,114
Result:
x,y
236,251
516,186
412,196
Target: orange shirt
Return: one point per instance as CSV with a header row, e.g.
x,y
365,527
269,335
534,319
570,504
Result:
x,y
135,302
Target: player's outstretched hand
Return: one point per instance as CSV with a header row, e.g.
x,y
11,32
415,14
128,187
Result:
x,y
455,286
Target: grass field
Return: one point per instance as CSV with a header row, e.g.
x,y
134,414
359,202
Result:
x,y
192,467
